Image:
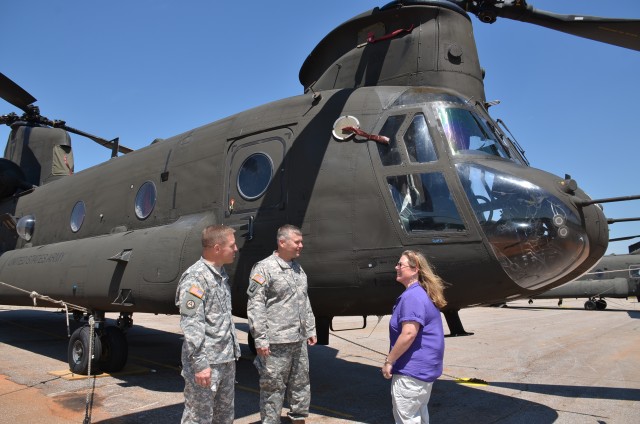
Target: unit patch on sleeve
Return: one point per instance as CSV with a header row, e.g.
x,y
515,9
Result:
x,y
190,304
257,281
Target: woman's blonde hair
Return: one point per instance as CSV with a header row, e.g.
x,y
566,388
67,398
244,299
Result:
x,y
429,281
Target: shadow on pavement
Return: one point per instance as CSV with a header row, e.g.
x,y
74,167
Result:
x,y
344,390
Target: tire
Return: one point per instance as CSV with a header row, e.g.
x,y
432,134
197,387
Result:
x,y
78,352
590,305
115,350
601,304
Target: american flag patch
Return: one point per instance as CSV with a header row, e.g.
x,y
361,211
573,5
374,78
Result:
x,y
196,291
258,279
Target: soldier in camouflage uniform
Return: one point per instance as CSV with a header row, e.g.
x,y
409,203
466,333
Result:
x,y
282,324
210,346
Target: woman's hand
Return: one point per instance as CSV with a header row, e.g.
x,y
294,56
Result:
x,y
386,370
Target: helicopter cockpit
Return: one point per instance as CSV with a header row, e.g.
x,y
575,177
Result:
x,y
534,235
469,133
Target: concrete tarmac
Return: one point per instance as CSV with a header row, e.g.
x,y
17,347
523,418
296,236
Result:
x,y
525,364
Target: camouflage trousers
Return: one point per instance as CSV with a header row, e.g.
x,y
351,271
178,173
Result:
x,y
285,371
211,405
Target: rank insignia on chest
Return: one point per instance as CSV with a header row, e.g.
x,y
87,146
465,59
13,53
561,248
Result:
x,y
259,279
196,291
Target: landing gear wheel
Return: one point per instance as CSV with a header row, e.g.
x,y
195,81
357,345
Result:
x,y
590,305
78,351
601,304
115,350
252,344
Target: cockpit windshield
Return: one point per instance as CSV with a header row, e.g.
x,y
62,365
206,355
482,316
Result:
x,y
533,234
469,133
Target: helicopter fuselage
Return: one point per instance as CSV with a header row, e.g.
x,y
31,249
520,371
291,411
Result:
x,y
280,163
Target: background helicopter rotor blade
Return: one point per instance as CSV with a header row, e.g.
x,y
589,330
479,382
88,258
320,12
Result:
x,y
14,94
618,32
624,238
114,144
17,96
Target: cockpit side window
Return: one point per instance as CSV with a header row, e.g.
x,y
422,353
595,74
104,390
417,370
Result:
x,y
418,141
634,271
390,153
468,133
424,203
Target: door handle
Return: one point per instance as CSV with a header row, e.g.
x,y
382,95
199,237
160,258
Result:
x,y
249,235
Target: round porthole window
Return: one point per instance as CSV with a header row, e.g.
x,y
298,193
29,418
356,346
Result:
x,y
25,227
254,176
77,216
145,200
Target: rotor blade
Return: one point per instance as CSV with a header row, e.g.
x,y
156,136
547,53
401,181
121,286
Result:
x,y
623,238
614,220
619,32
608,200
14,94
101,141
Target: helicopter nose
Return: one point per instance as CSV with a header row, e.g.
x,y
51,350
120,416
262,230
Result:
x,y
537,238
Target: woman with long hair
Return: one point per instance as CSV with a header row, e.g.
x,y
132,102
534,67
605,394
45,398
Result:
x,y
417,339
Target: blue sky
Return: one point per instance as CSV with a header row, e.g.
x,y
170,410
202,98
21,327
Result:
x,y
145,69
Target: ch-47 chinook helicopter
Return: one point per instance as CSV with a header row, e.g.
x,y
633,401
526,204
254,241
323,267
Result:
x,y
614,277
390,147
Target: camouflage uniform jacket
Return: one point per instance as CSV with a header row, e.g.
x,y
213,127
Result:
x,y
204,299
278,308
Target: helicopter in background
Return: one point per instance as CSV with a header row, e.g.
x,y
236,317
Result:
x,y
390,147
614,277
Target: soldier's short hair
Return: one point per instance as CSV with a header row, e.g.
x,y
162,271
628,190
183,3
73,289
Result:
x,y
215,234
286,231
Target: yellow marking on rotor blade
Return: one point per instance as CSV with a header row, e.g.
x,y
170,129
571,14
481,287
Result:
x,y
471,381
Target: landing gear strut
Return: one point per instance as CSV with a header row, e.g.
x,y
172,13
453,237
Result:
x,y
455,325
322,330
124,321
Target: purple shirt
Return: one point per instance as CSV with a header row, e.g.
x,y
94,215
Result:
x,y
423,359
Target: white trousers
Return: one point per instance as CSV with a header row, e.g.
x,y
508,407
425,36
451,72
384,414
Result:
x,y
410,398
